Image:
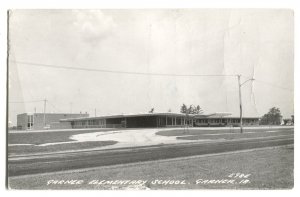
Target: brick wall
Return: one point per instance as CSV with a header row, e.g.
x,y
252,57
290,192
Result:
x,y
50,118
22,121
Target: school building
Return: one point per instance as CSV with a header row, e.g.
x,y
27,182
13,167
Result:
x,y
152,120
37,121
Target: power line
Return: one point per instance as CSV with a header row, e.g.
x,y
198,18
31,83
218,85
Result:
x,y
268,83
36,102
55,108
147,74
273,85
122,72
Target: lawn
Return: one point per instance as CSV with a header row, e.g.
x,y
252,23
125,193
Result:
x,y
38,138
30,149
43,137
234,135
193,131
30,143
271,168
227,134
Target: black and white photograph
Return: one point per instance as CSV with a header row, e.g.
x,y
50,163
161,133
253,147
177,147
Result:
x,y
150,99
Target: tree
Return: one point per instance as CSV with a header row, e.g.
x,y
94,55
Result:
x,y
190,110
198,110
273,117
183,108
152,110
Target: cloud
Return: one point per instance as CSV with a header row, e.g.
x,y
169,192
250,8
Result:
x,y
92,25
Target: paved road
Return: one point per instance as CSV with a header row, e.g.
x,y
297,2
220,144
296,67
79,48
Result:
x,y
61,162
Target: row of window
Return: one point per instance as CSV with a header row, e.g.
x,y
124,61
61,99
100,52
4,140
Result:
x,y
89,122
183,121
162,121
173,121
217,120
224,121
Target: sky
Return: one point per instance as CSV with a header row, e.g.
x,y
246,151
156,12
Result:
x,y
256,43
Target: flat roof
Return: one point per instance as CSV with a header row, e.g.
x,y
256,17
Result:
x,y
127,115
223,115
244,117
214,115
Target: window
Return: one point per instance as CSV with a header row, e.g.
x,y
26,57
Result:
x,y
169,121
29,121
162,121
178,121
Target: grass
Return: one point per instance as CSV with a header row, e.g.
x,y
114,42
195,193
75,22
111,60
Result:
x,y
19,150
234,136
269,169
38,138
182,132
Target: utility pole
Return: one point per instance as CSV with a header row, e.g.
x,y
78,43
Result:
x,y
45,101
240,99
